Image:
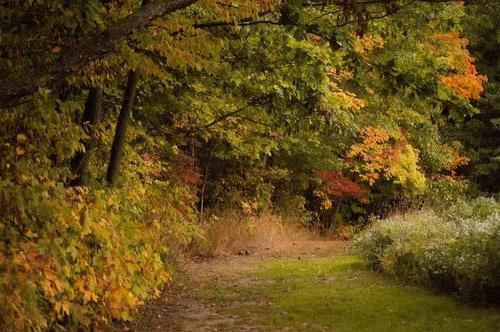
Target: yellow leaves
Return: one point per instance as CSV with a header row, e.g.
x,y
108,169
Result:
x,y
27,256
249,207
174,23
371,151
89,257
326,203
226,9
120,298
21,138
339,96
165,276
377,156
20,151
89,297
368,42
62,308
343,74
85,286
111,199
406,171
51,285
30,234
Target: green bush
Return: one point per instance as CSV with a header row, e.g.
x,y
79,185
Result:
x,y
456,250
444,192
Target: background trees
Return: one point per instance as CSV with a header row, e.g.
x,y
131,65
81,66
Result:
x,y
480,133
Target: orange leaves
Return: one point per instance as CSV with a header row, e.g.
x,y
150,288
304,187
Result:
x,y
454,159
56,50
452,37
468,85
92,258
340,96
373,151
382,154
464,78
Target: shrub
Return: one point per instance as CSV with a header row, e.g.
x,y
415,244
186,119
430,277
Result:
x,y
84,257
76,257
457,249
446,191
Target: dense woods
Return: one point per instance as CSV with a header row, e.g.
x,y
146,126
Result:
x,y
127,125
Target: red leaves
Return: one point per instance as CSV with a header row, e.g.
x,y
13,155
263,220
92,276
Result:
x,y
337,185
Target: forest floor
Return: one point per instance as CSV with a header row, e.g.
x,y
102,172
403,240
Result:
x,y
302,286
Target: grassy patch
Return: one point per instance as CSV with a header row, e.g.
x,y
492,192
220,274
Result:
x,y
341,294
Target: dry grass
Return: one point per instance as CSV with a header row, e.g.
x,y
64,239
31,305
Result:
x,y
232,232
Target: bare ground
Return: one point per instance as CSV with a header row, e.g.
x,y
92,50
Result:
x,y
177,309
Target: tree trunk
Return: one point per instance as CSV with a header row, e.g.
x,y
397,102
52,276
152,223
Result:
x,y
121,128
79,163
121,125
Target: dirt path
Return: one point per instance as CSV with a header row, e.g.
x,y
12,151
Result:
x,y
302,286
179,308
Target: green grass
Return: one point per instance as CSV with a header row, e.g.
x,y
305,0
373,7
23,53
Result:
x,y
342,294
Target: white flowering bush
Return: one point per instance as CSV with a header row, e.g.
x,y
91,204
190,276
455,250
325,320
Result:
x,y
457,249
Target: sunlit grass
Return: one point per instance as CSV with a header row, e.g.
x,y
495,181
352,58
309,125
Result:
x,y
341,294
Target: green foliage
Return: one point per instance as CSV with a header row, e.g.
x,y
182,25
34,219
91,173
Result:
x,y
445,192
480,134
457,249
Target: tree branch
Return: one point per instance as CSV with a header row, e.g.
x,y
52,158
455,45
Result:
x,y
88,49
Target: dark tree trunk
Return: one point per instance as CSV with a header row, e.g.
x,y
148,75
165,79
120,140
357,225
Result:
x,y
79,163
121,128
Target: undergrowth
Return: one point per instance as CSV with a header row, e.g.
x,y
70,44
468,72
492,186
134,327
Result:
x,y
234,232
456,249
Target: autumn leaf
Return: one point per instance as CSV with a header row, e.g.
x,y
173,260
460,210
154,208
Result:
x,y
20,151
21,138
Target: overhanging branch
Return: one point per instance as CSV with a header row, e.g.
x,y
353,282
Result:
x,y
88,49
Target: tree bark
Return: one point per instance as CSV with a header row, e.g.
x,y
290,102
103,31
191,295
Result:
x,y
121,128
89,48
79,163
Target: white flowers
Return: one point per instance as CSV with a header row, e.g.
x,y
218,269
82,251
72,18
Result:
x,y
458,249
